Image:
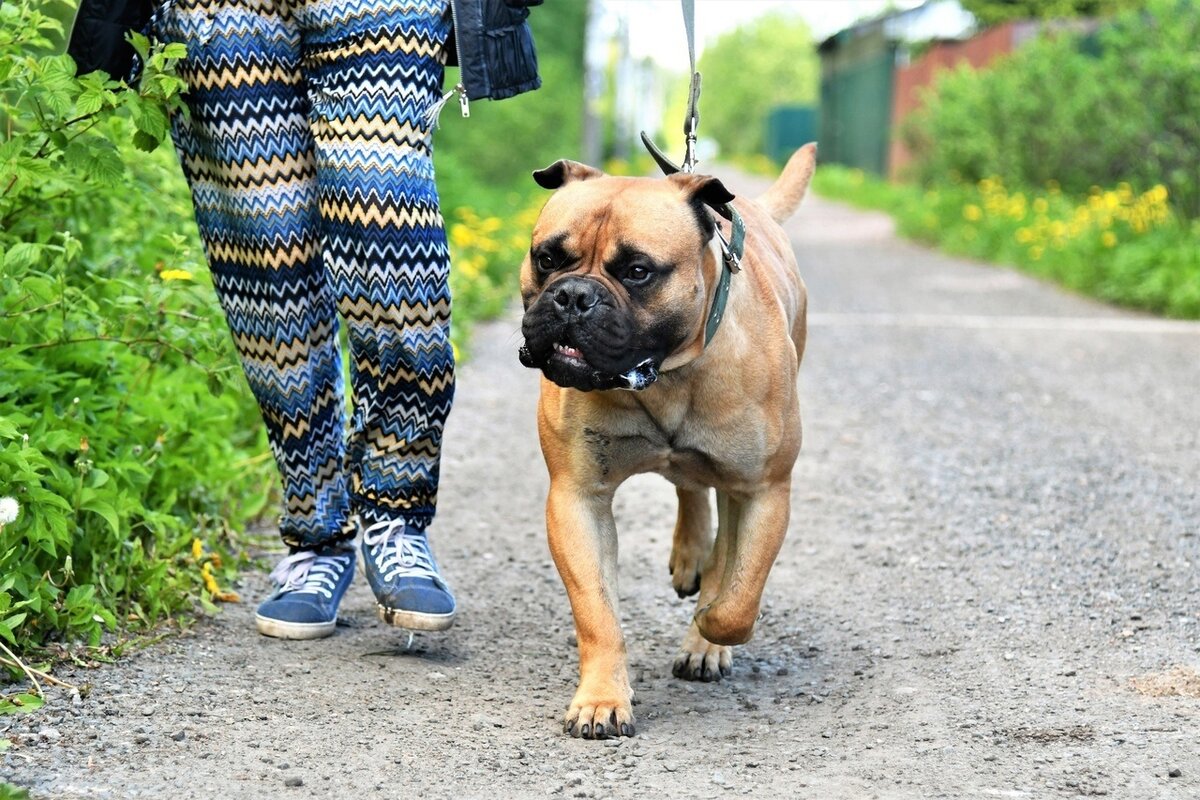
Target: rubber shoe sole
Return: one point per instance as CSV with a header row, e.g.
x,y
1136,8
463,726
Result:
x,y
279,629
415,620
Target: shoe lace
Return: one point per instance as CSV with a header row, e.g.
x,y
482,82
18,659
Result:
x,y
403,551
306,572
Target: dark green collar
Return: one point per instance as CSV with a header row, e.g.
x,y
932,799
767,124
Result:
x,y
731,249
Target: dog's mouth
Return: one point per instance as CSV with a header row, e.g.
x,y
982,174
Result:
x,y
567,366
569,353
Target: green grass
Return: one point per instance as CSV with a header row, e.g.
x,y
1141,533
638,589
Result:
x,y
1126,247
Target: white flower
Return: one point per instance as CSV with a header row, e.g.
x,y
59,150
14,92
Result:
x,y
9,509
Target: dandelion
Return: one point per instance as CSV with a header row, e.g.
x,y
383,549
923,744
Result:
x,y
972,213
175,275
9,510
1041,206
214,588
1108,239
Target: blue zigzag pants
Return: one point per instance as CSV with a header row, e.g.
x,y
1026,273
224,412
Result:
x,y
310,165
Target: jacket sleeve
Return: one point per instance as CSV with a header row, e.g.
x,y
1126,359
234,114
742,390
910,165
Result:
x,y
98,40
496,46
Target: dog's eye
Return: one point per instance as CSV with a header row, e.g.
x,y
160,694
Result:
x,y
545,263
637,274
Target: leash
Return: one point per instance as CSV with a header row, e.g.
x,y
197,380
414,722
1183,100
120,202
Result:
x,y
734,247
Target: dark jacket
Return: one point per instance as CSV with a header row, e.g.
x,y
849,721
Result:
x,y
98,36
493,45
491,42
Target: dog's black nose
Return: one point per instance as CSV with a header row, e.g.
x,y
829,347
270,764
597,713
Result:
x,y
576,294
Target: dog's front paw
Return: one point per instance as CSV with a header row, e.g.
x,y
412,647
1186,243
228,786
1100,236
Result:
x,y
700,660
599,717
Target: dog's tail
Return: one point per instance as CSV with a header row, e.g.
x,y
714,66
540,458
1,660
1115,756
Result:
x,y
784,196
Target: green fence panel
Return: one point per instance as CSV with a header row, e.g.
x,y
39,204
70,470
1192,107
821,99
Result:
x,y
856,106
789,127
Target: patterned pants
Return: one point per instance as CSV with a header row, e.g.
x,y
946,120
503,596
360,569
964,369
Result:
x,y
311,171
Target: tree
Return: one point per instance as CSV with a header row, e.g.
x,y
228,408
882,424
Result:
x,y
994,12
747,72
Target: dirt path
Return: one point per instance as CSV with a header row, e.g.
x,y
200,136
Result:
x,y
996,530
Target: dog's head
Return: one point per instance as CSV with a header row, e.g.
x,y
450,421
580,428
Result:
x,y
617,281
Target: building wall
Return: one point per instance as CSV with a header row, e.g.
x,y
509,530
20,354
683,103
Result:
x,y
913,79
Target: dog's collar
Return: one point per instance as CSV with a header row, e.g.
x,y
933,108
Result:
x,y
732,248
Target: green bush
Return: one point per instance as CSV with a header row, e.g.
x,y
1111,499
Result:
x,y
1120,245
1052,111
994,12
124,435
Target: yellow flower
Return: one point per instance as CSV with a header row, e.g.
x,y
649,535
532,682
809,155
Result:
x,y
1024,235
1041,206
197,549
973,213
1108,239
214,589
175,275
1035,252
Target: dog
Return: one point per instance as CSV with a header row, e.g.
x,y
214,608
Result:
x,y
618,288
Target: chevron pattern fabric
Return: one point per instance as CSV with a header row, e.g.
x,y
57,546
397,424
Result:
x,y
310,165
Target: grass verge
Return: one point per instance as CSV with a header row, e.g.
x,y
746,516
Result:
x,y
1120,245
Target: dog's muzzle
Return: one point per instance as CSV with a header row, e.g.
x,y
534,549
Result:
x,y
634,380
579,338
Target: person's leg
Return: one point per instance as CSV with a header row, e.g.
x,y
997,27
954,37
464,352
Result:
x,y
247,151
374,68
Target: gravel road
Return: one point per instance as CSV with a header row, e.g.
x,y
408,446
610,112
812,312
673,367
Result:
x,y
990,589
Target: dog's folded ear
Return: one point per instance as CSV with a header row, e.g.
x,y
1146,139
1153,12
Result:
x,y
705,189
564,171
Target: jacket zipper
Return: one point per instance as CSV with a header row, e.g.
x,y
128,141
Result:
x,y
463,104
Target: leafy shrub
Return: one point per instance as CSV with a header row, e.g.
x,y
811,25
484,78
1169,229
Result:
x,y
994,12
1120,245
118,437
1051,111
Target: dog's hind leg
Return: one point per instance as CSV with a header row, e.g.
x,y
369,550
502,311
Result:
x,y
692,542
749,553
699,659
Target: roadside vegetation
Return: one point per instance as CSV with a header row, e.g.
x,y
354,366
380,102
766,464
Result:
x,y
132,459
1073,158
1120,245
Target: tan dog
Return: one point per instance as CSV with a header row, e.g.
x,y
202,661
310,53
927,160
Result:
x,y
617,287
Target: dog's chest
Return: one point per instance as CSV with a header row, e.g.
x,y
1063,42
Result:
x,y
690,452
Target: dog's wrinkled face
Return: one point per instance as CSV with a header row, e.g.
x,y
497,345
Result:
x,y
616,278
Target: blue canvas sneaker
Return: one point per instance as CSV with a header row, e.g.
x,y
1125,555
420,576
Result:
x,y
310,584
400,568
